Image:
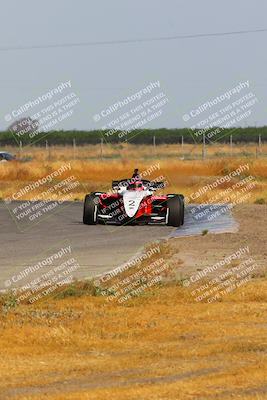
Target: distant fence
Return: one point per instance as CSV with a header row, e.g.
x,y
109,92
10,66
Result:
x,y
148,136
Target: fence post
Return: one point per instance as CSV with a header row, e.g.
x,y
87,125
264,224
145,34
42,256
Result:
x,y
154,143
20,149
259,143
101,149
204,147
231,145
47,149
74,148
182,142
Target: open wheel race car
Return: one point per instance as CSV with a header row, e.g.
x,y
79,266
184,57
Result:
x,y
133,201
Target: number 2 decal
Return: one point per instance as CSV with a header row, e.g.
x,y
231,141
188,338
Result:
x,y
131,203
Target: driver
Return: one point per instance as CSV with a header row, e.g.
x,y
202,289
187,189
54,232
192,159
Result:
x,y
136,174
137,185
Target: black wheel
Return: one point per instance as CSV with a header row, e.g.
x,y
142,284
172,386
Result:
x,y
175,211
182,200
90,210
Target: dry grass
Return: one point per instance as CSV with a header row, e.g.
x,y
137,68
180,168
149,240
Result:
x,y
183,175
161,345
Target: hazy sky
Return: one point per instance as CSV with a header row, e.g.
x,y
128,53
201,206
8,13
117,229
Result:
x,y
190,71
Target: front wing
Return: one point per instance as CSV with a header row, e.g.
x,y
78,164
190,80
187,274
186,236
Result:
x,y
153,209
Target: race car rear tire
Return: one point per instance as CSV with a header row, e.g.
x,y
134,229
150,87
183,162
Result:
x,y
90,210
175,210
182,200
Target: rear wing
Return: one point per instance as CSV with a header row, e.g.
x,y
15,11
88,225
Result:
x,y
152,185
115,184
157,185
125,182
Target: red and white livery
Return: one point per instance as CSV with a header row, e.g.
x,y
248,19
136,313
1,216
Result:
x,y
133,201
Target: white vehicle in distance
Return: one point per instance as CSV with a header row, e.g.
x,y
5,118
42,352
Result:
x,y
5,156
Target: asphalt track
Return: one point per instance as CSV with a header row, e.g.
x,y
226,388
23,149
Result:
x,y
97,249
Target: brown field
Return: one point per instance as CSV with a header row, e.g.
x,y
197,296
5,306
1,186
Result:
x,y
162,345
182,167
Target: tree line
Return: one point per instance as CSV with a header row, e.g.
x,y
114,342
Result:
x,y
146,136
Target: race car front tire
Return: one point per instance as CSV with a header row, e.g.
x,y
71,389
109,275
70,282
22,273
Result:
x,y
90,210
175,211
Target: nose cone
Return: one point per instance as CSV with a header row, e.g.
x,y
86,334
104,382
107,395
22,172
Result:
x,y
132,200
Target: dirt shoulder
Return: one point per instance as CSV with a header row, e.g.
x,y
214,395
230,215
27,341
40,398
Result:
x,y
198,252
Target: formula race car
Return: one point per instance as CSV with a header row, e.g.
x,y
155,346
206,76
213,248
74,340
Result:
x,y
132,201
